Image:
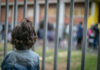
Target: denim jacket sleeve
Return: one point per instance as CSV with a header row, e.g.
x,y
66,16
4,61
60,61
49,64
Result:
x,y
4,65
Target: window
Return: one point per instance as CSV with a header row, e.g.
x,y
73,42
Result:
x,y
30,12
52,12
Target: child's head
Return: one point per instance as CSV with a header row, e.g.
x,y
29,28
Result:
x,y
24,35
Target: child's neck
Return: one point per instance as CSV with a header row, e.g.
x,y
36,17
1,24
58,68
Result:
x,y
24,50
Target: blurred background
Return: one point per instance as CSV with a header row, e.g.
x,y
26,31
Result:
x,y
79,9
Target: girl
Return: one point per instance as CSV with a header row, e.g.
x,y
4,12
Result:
x,y
22,58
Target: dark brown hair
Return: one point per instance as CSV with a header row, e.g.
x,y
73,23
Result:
x,y
24,35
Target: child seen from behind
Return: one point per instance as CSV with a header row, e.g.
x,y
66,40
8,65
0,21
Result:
x,y
23,38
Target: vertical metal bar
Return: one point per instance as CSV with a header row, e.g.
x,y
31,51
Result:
x,y
0,19
15,7
57,35
45,34
35,15
70,34
84,43
98,65
12,25
0,11
35,11
25,9
6,27
15,12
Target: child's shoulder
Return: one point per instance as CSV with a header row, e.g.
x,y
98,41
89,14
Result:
x,y
9,53
34,53
23,54
29,52
29,56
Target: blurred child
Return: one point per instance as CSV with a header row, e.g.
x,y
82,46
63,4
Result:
x,y
91,34
23,38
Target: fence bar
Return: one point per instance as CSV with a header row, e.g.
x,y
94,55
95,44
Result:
x,y
15,12
0,11
35,16
98,65
57,35
84,44
12,24
45,34
25,9
6,27
35,11
70,34
0,20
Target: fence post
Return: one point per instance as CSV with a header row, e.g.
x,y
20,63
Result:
x,y
35,11
84,43
45,34
35,18
12,23
70,34
25,9
15,12
0,10
98,65
57,35
6,27
0,21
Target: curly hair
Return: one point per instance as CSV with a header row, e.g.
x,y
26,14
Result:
x,y
23,36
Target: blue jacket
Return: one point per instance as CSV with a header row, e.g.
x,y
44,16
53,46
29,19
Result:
x,y
21,60
80,31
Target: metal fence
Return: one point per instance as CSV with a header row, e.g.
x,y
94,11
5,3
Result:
x,y
84,45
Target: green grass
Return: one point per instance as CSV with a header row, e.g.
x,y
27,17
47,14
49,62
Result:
x,y
90,64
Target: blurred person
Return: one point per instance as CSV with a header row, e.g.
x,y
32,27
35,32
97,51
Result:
x,y
96,38
50,33
66,31
0,32
22,58
91,36
79,35
41,30
74,34
9,34
3,32
64,41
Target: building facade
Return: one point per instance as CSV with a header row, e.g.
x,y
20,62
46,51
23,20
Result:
x,y
94,9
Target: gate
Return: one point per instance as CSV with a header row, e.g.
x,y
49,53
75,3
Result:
x,y
84,44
